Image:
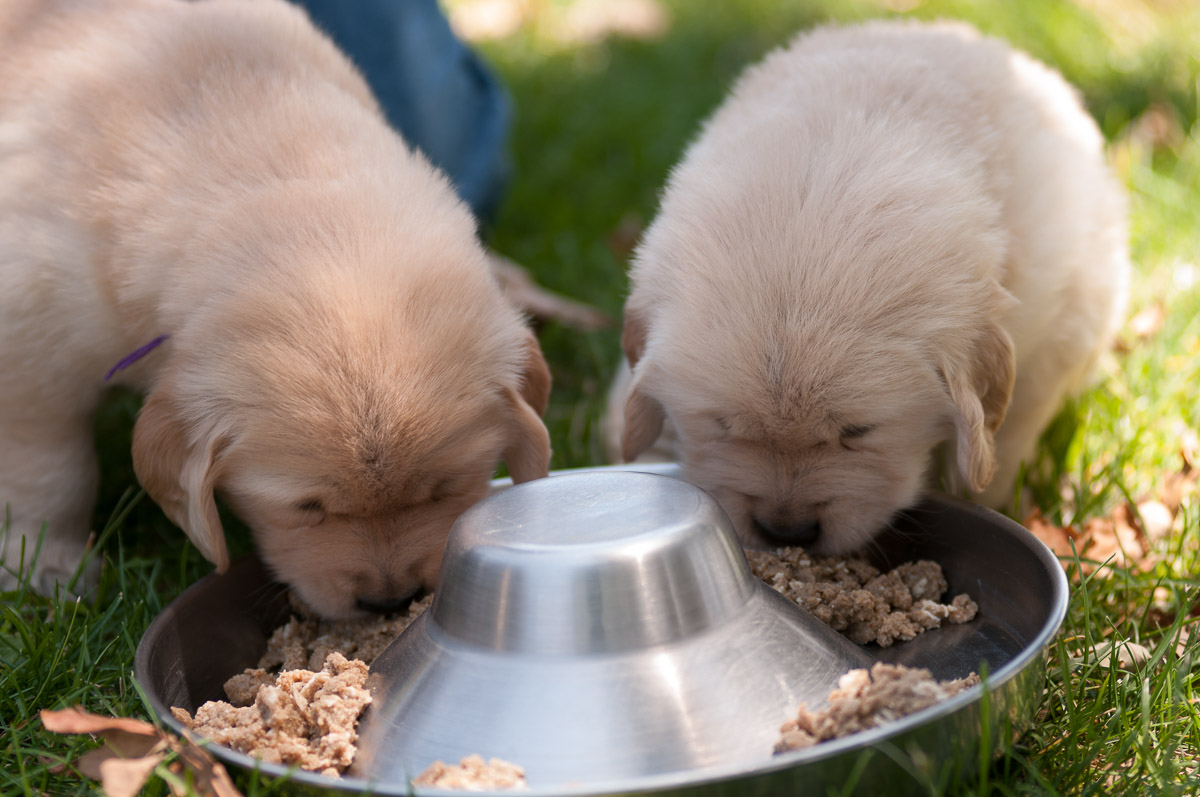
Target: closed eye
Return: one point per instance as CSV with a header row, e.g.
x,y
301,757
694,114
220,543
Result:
x,y
853,432
453,487
442,489
311,512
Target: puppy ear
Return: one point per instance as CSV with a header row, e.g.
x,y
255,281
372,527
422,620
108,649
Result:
x,y
980,391
633,335
528,451
644,416
535,381
180,477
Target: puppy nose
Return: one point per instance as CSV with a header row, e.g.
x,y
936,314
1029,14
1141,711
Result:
x,y
384,605
789,533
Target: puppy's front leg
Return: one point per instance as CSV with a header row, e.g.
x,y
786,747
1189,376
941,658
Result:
x,y
48,478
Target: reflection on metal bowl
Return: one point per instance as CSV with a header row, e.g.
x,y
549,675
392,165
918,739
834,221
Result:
x,y
641,661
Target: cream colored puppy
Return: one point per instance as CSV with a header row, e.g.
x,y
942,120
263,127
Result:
x,y
889,237
334,356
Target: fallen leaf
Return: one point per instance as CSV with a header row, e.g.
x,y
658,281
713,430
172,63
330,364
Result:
x,y
76,720
124,777
1157,519
1117,539
1114,539
1057,538
133,749
210,775
92,762
1130,655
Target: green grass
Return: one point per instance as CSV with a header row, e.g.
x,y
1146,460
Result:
x,y
598,126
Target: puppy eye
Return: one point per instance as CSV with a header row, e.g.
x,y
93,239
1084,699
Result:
x,y
442,489
852,433
312,513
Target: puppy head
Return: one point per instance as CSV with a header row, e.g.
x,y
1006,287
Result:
x,y
802,453
823,452
812,367
347,430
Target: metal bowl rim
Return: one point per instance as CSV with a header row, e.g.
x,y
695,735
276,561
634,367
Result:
x,y
693,778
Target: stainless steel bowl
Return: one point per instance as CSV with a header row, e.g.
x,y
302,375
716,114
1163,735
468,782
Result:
x,y
220,625
597,627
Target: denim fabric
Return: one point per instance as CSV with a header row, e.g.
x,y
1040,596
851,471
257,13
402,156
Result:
x,y
432,88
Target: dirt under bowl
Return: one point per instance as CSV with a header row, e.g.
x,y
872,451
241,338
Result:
x,y
220,625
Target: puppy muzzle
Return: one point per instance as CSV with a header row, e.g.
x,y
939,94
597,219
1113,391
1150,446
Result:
x,y
803,533
386,604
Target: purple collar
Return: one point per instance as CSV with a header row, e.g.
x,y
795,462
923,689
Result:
x,y
134,356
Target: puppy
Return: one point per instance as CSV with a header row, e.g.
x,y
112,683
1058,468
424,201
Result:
x,y
203,202
890,241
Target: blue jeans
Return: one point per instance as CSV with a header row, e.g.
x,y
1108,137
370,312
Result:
x,y
432,88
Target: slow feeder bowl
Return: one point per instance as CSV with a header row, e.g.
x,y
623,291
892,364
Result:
x,y
596,627
653,626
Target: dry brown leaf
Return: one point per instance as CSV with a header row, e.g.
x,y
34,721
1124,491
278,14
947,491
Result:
x,y
76,720
132,745
1114,539
1177,486
1128,524
1057,538
1127,536
1129,655
124,777
132,750
92,762
211,777
1118,539
1157,519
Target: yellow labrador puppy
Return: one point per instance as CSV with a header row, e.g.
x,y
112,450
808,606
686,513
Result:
x,y
889,237
202,201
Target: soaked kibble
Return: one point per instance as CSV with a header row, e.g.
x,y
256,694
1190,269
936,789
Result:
x,y
300,705
866,699
855,598
473,774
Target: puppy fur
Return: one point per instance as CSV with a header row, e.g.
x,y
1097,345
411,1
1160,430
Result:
x,y
891,241
341,365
